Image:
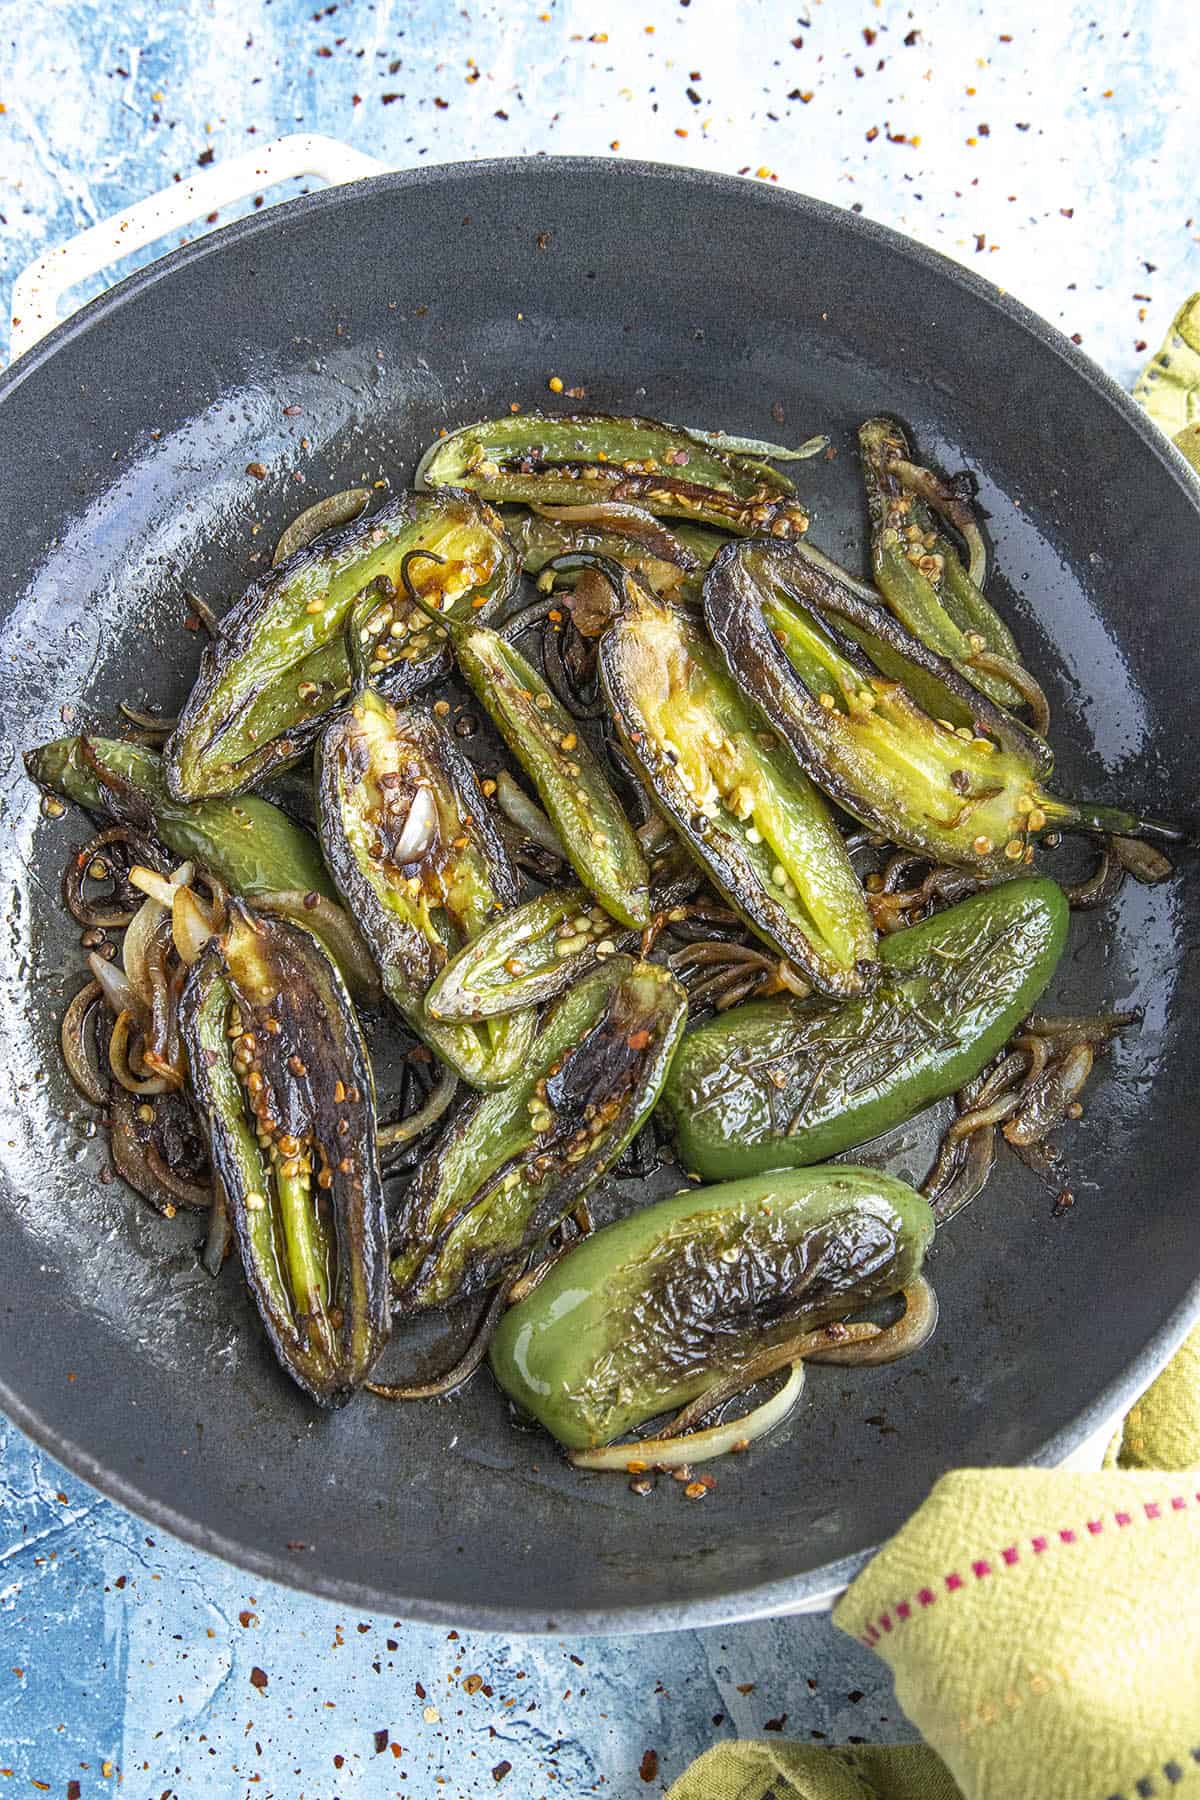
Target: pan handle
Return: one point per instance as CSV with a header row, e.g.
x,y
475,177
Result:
x,y
39,289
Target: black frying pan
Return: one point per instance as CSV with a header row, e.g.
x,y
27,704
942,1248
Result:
x,y
385,310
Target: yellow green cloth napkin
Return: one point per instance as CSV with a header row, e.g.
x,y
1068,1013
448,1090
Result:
x,y
1042,1627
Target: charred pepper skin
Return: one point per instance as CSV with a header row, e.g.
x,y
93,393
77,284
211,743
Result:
x,y
648,1312
919,572
375,763
754,822
249,844
279,664
971,796
586,457
514,1163
774,1085
282,1082
671,561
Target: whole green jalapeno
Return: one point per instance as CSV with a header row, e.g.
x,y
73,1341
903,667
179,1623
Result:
x,y
282,1082
782,1083
647,1313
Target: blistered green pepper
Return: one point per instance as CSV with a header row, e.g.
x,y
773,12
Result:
x,y
647,1313
278,666
599,840
512,1164
420,865
540,949
782,1083
250,845
969,795
282,1082
751,818
919,571
588,457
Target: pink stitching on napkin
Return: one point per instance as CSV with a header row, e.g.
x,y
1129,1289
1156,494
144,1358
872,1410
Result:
x,y
980,1568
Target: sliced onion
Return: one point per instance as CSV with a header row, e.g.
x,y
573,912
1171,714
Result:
x,y
696,1446
1018,676
952,1187
160,887
113,983
336,930
73,1037
191,924
629,521
404,1130
219,1241
828,566
324,515
442,1386
118,1058
1142,860
420,828
148,721
911,1332
1089,1028
516,805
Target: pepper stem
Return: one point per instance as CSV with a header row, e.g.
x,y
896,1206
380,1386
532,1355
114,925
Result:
x,y
1104,821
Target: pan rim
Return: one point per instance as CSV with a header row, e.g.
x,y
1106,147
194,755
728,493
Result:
x,y
816,1587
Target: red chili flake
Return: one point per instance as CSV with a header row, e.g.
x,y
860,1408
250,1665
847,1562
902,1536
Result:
x,y
120,1581
637,1040
1075,338
339,1761
381,1741
205,157
387,99
912,38
420,1691
297,1544
73,1790
324,50
869,36
356,99
1068,212
798,43
1063,1203
872,134
1005,37
501,1770
246,1619
980,242
258,470
776,1724
258,1678
1140,344
397,1751
292,412
648,1767
442,105
543,239
746,1687
984,130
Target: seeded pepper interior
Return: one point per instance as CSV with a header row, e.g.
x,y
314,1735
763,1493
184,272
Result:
x,y
756,863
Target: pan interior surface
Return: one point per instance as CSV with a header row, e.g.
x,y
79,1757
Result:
x,y
384,312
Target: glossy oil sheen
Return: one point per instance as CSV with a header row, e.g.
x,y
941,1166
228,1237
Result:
x,y
1044,1319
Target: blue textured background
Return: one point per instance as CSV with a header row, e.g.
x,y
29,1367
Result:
x,y
1050,147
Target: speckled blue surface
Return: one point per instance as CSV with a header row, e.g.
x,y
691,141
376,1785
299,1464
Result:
x,y
1050,146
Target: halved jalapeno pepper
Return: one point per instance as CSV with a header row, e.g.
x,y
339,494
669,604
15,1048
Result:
x,y
750,817
969,795
420,865
283,1084
268,681
594,456
919,571
512,1164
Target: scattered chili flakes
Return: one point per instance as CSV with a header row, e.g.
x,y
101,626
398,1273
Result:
x,y
501,1770
259,1678
648,1767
